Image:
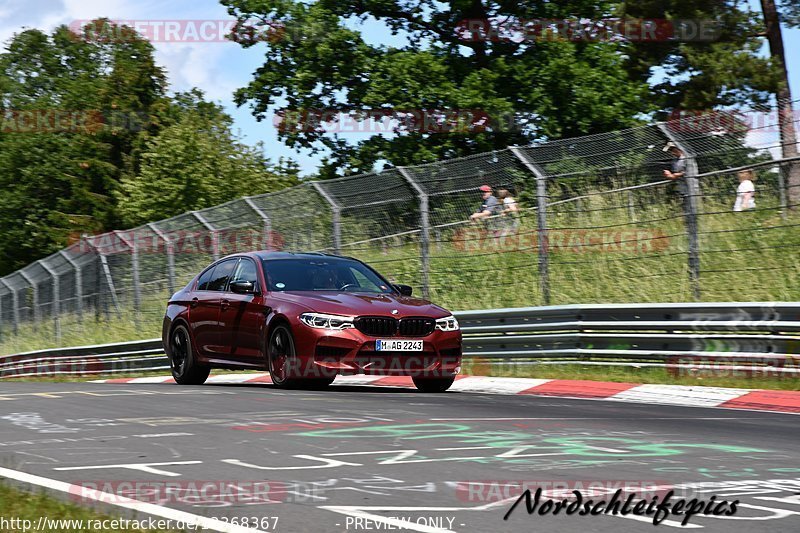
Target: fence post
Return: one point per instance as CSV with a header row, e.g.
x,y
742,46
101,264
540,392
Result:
x,y
35,290
14,306
336,210
78,284
265,219
782,191
424,209
541,212
170,256
56,304
690,208
137,287
109,279
8,287
214,238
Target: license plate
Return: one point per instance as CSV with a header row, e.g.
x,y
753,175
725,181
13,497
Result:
x,y
397,345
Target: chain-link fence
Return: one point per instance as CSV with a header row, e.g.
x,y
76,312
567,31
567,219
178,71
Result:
x,y
582,220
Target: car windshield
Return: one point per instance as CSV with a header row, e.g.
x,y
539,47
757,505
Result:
x,y
323,274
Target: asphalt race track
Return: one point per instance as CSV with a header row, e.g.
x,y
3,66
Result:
x,y
376,459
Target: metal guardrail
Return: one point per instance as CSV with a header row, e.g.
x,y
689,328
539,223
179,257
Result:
x,y
751,333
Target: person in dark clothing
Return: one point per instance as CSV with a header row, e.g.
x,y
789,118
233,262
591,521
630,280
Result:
x,y
489,205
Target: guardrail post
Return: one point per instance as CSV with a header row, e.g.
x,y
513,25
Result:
x,y
690,209
336,211
424,210
214,237
265,219
56,304
541,212
78,284
170,248
35,305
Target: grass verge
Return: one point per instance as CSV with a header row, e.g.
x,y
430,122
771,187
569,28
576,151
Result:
x,y
61,516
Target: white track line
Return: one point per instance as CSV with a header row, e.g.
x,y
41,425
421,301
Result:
x,y
492,385
678,395
127,503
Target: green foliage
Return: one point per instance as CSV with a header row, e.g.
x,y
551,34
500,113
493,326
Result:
x,y
195,163
700,75
72,110
552,88
89,141
790,12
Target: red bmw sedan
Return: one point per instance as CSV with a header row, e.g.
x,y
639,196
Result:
x,y
306,318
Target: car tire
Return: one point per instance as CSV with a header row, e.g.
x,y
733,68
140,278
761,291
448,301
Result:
x,y
281,357
432,384
185,368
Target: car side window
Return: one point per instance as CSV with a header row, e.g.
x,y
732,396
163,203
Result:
x,y
219,280
246,271
205,279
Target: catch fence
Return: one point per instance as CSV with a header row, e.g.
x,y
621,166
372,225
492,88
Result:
x,y
597,221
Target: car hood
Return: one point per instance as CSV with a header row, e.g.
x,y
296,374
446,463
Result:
x,y
356,304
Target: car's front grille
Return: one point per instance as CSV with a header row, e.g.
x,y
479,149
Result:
x,y
376,326
380,326
417,327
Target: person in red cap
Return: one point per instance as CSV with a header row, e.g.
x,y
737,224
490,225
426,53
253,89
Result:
x,y
489,207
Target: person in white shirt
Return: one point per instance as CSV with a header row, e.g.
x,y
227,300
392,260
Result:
x,y
746,192
510,210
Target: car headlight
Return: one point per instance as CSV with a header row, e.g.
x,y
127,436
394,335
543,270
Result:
x,y
323,321
448,323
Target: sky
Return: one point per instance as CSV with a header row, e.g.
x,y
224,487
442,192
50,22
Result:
x,y
219,68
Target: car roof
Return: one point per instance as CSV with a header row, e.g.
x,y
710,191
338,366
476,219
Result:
x,y
272,255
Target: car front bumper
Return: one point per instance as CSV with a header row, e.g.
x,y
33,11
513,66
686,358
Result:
x,y
350,351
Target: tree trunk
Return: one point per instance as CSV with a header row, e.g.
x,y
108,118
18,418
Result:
x,y
784,99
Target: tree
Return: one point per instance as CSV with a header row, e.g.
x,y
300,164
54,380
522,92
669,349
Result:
x,y
552,88
71,109
790,12
699,75
783,95
196,163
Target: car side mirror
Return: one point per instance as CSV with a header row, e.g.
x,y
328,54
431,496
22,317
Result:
x,y
405,290
243,287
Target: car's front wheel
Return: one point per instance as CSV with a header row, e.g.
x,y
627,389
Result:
x,y
282,357
185,369
432,384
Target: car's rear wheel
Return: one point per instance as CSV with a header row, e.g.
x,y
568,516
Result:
x,y
432,384
185,369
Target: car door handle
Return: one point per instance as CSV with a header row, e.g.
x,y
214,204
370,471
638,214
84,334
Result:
x,y
195,301
224,304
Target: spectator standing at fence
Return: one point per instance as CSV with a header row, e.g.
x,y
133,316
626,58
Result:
x,y
677,169
510,210
746,192
489,205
